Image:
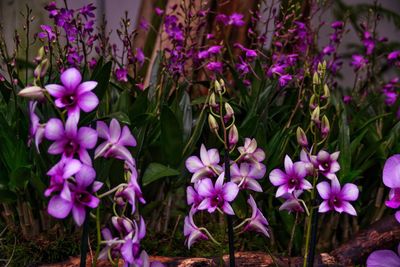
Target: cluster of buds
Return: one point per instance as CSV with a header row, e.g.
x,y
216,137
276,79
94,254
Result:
x,y
221,118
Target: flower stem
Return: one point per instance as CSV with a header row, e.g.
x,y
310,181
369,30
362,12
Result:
x,y
84,240
311,221
98,233
209,235
112,190
229,218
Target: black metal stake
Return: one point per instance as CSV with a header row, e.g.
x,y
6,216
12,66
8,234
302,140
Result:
x,y
84,240
229,217
313,241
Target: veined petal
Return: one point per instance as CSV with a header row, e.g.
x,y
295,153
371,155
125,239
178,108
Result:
x,y
102,130
230,191
193,164
324,190
86,87
58,207
349,192
55,90
306,185
54,129
194,236
335,167
190,195
205,188
79,214
299,168
391,172
348,208
115,131
88,101
335,186
87,137
235,171
324,207
252,184
71,78
277,177
122,152
92,202
84,157
220,182
127,138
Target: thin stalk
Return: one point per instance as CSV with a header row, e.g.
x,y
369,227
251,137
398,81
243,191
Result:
x,y
229,218
309,250
98,233
292,237
84,241
314,224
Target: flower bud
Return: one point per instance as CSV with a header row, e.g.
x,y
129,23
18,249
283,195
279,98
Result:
x,y
229,110
313,102
32,92
40,55
233,136
325,127
212,101
315,115
212,122
41,69
301,137
217,87
326,92
316,79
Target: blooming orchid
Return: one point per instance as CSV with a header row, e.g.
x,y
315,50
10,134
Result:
x,y
218,195
70,141
116,141
191,231
327,163
72,94
337,198
257,222
205,166
391,178
384,258
292,179
246,175
36,130
250,152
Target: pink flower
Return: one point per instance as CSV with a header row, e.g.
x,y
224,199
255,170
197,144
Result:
x,y
391,178
257,222
191,231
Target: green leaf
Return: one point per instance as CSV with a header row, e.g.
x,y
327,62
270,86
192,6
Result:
x,y
156,171
7,196
19,178
171,136
103,78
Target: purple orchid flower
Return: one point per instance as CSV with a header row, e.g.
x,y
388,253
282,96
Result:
x,y
337,198
76,196
250,152
236,19
391,178
257,221
358,62
191,231
384,258
116,141
327,163
131,248
205,166
246,175
292,203
292,179
217,196
112,246
72,94
121,74
36,130
192,197
71,140
215,66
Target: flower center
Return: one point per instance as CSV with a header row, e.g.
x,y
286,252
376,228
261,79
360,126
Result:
x,y
70,148
68,100
293,183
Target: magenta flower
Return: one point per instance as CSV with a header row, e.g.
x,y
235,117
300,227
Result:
x,y
327,163
76,196
36,130
217,196
358,62
250,152
215,66
284,80
236,19
191,231
292,202
394,55
246,175
116,141
192,197
205,166
121,74
131,248
47,33
391,178
337,198
369,43
72,94
257,222
112,247
70,141
292,179
384,258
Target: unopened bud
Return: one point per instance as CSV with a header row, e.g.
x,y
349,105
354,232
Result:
x,y
212,101
229,110
325,127
316,79
313,102
301,137
326,92
41,69
40,54
315,115
217,87
212,122
233,136
32,92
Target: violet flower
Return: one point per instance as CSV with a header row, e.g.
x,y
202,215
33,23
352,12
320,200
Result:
x,y
218,195
76,196
391,178
384,258
36,130
70,141
327,163
112,247
337,198
250,152
116,141
257,221
358,62
215,66
205,166
121,74
131,248
292,179
72,94
246,175
192,197
191,231
292,202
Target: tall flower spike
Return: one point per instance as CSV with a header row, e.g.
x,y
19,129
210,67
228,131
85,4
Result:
x,y
206,165
292,179
337,198
72,94
116,141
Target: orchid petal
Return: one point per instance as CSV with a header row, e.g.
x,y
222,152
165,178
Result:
x,y
54,129
230,191
79,214
88,101
277,177
71,79
324,190
391,172
348,208
205,188
349,192
58,207
324,207
86,87
87,137
55,90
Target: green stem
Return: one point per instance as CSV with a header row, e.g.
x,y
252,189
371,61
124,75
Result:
x,y
309,223
98,231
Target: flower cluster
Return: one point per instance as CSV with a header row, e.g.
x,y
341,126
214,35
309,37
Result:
x,y
391,178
